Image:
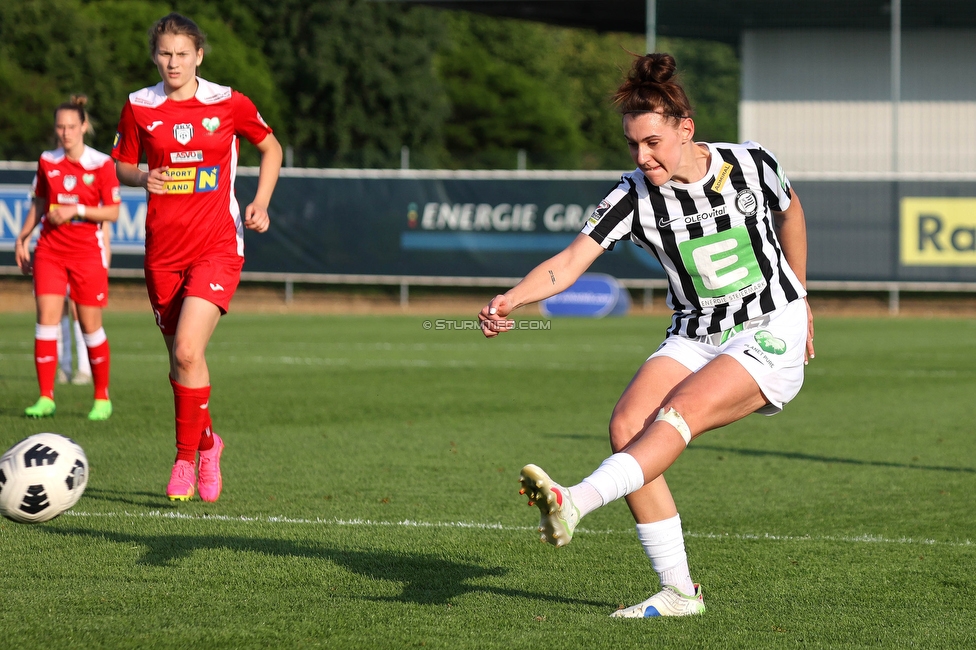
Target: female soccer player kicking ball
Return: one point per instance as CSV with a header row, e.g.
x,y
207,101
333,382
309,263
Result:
x,y
189,130
729,231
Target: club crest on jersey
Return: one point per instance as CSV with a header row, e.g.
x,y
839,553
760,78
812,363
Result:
x,y
88,179
747,203
211,124
69,182
183,133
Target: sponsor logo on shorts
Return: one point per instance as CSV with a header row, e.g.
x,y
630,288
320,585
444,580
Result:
x,y
183,133
99,296
178,157
215,287
761,358
770,343
69,182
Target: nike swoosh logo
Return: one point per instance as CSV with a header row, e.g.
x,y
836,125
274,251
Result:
x,y
664,223
152,127
749,353
45,359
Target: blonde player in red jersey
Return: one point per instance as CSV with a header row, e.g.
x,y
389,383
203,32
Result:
x,y
189,130
75,193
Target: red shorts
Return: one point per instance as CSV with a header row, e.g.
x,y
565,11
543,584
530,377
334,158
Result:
x,y
214,279
87,277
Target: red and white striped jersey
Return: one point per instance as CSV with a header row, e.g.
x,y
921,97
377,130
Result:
x,y
88,181
197,140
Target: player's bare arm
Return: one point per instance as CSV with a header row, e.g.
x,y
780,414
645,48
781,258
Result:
x,y
554,275
256,213
792,230
95,213
154,181
21,249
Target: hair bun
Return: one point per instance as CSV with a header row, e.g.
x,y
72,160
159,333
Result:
x,y
654,68
78,100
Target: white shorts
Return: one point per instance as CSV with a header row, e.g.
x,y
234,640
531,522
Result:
x,y
771,349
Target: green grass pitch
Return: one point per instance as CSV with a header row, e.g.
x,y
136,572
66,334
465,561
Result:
x,y
370,495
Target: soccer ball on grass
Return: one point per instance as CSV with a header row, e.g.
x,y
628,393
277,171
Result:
x,y
41,477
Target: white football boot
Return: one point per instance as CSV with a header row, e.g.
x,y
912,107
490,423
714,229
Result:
x,y
667,602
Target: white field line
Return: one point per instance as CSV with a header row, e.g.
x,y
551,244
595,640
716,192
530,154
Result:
x,y
408,523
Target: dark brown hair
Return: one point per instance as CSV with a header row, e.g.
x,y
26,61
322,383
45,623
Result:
x,y
178,25
652,87
77,104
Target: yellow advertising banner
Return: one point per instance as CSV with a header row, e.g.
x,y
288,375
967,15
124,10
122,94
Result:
x,y
938,231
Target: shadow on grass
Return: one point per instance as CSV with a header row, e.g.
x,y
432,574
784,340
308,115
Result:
x,y
426,579
153,500
828,459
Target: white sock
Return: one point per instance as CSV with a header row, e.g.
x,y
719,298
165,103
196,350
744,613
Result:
x,y
616,477
585,498
664,545
64,344
81,349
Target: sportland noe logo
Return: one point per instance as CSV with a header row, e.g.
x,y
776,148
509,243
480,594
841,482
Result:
x,y
938,231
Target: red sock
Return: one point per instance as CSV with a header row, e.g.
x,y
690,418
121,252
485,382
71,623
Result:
x,y
46,362
191,418
100,361
206,438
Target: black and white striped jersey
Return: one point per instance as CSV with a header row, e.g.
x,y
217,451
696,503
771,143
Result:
x,y
714,238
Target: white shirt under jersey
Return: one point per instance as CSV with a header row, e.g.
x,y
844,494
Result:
x,y
714,238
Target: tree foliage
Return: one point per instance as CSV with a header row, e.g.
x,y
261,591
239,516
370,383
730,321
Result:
x,y
350,82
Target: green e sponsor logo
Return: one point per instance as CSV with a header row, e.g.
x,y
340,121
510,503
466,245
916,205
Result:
x,y
722,263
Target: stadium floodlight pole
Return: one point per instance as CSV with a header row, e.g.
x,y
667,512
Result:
x,y
650,26
895,79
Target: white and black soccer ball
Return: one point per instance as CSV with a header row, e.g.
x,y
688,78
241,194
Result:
x,y
41,477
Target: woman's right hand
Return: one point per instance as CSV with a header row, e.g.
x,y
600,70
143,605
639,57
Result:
x,y
23,256
156,179
494,316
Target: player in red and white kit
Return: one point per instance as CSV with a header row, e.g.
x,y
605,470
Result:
x,y
189,129
75,193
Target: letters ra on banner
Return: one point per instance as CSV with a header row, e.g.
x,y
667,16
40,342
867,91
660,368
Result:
x,y
938,231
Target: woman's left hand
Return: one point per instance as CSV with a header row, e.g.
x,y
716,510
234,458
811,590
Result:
x,y
256,218
62,214
809,351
